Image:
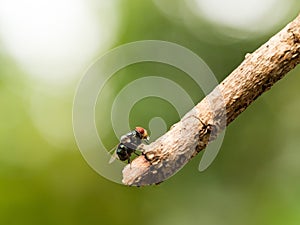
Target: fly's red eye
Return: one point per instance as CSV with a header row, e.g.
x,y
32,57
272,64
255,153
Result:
x,y
140,130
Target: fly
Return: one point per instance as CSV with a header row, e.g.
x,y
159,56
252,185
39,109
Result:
x,y
129,143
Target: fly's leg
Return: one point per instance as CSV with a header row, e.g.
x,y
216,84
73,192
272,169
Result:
x,y
129,162
207,127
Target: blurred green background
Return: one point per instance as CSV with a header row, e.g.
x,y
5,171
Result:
x,y
45,47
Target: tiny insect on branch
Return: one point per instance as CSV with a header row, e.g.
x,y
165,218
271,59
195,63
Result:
x,y
129,143
256,74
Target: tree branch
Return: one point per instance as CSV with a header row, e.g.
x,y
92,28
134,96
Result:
x,y
256,74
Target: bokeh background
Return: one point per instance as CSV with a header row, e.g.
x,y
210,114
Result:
x,y
45,48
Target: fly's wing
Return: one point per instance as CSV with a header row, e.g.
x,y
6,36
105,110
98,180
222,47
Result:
x,y
114,155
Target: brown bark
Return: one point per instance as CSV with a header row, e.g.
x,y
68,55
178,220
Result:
x,y
256,74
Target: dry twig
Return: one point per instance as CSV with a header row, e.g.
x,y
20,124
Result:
x,y
256,74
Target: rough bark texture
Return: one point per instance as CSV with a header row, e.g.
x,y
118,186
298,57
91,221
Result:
x,y
256,74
